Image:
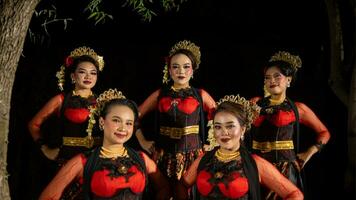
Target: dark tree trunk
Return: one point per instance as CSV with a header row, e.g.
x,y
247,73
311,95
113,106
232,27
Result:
x,y
338,83
15,17
350,182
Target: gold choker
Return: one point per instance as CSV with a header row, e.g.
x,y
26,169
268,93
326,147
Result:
x,y
177,89
108,153
275,102
226,157
76,94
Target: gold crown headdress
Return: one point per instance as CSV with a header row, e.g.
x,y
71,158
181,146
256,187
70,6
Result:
x,y
251,109
187,45
103,98
293,60
81,51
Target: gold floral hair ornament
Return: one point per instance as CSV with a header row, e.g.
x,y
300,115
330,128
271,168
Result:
x,y
81,51
187,45
265,91
251,109
293,60
96,110
165,79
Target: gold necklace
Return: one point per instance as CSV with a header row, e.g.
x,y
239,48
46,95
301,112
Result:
x,y
177,89
76,94
275,101
226,157
108,153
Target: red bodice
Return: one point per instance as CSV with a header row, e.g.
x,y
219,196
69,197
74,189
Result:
x,y
109,180
279,118
76,115
233,186
187,105
105,186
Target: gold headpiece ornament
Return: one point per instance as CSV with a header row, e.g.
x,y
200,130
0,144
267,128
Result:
x,y
293,60
187,45
190,46
103,98
81,51
251,109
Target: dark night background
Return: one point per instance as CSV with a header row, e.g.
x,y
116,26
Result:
x,y
236,39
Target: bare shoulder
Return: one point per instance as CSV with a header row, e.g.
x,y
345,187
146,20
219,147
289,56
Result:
x,y
255,99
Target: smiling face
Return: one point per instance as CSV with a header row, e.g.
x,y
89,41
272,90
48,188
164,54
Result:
x,y
180,70
85,75
227,131
276,83
118,125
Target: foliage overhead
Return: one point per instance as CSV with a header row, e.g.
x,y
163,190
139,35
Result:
x,y
46,14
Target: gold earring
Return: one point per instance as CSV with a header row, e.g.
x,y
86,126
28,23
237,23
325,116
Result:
x,y
101,127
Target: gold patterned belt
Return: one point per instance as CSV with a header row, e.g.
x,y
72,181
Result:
x,y
87,141
269,146
177,133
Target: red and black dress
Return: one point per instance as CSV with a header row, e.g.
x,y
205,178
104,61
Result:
x,y
104,178
120,178
62,123
236,179
274,135
73,120
181,117
227,180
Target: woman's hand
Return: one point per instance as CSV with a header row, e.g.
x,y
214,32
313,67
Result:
x,y
146,145
304,157
207,147
50,153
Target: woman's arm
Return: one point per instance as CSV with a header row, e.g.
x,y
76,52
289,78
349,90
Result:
x,y
274,180
71,170
188,179
160,182
51,106
209,103
147,106
309,119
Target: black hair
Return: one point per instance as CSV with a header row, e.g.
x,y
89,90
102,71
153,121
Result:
x,y
235,109
124,102
71,69
286,68
79,59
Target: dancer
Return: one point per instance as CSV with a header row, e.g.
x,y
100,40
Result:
x,y
113,170
275,133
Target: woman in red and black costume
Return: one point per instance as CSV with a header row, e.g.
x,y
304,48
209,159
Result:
x,y
59,128
114,170
275,133
181,113
65,116
229,171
